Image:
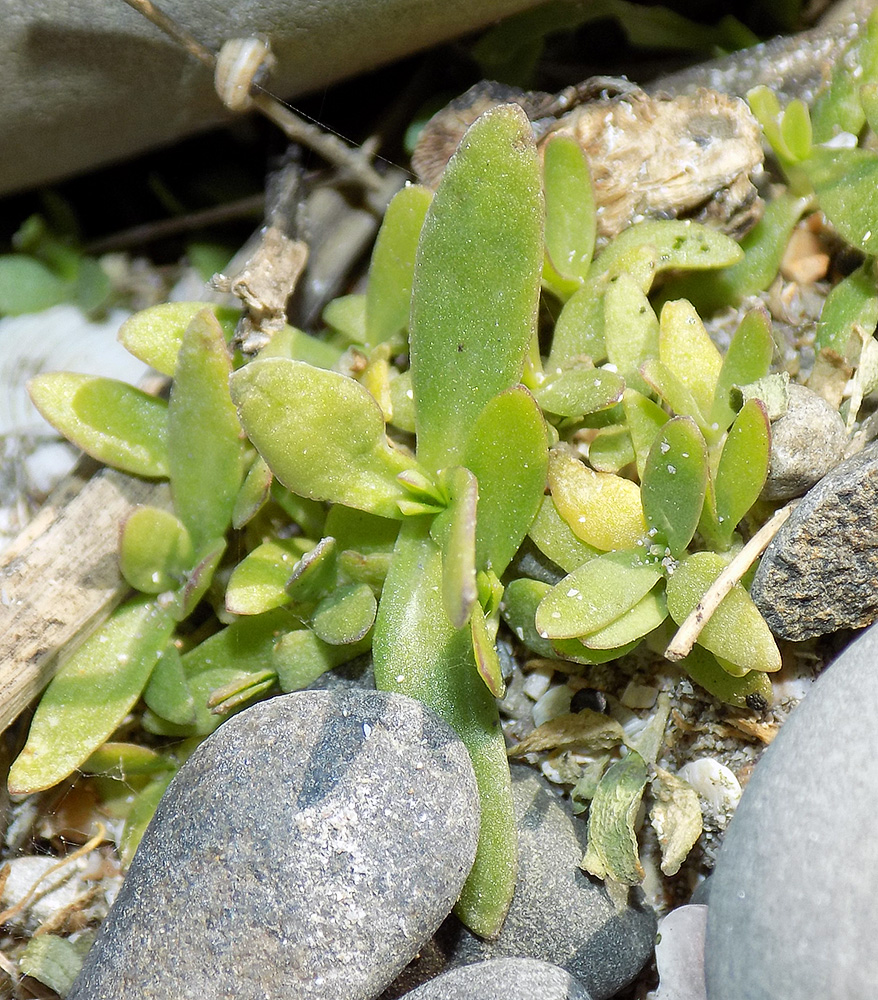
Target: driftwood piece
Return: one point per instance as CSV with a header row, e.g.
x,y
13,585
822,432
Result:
x,y
60,579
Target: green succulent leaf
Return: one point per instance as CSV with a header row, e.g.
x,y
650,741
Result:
x,y
483,632
846,183
838,107
553,536
603,510
672,390
241,691
596,594
321,433
199,578
52,960
612,843
571,221
507,452
204,437
645,419
299,657
389,293
122,761
155,550
454,531
254,493
110,420
611,449
752,688
360,531
740,473
346,315
631,330
300,346
418,652
167,692
155,335
259,582
345,615
575,391
28,286
647,614
94,689
688,353
674,484
747,359
315,574
142,811
476,282
852,304
736,631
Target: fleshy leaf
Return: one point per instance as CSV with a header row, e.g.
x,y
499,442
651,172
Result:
x,y
138,819
239,692
674,484
52,960
487,660
204,437
476,283
388,296
314,575
123,760
852,303
554,537
454,531
645,419
571,222
155,335
676,818
167,692
347,316
573,392
198,579
649,612
321,433
418,652
747,359
741,472
90,695
155,550
688,353
603,510
110,420
259,582
346,615
612,843
611,449
293,343
736,631
631,329
507,452
846,183
254,492
299,657
753,689
672,390
596,594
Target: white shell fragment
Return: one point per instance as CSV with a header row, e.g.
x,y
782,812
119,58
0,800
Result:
x,y
717,786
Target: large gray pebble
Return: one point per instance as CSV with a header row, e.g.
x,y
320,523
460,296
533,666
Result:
x,y
307,849
818,574
88,82
559,914
503,979
793,906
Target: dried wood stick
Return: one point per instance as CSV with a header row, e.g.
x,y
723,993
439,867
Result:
x,y
60,580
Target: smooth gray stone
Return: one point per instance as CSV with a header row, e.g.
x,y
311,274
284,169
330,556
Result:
x,y
807,442
88,82
793,906
560,914
818,574
307,849
503,979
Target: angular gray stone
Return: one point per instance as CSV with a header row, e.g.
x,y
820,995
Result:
x,y
559,914
793,906
306,849
503,979
807,442
820,572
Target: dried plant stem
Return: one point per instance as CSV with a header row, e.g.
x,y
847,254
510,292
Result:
x,y
689,631
352,161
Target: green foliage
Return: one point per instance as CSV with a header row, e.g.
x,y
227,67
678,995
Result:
x,y
318,515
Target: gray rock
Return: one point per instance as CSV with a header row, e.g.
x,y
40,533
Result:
x,y
806,443
89,82
559,914
818,574
793,906
503,979
307,849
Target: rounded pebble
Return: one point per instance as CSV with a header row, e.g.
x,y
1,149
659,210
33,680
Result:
x,y
793,906
307,849
503,979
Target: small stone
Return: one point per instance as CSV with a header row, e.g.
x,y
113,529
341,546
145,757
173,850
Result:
x,y
500,979
818,574
679,954
307,849
559,913
806,443
793,906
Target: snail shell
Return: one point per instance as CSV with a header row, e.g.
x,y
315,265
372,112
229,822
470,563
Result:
x,y
242,63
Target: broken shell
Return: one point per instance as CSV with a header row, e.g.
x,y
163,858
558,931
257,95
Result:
x,y
242,63
717,786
